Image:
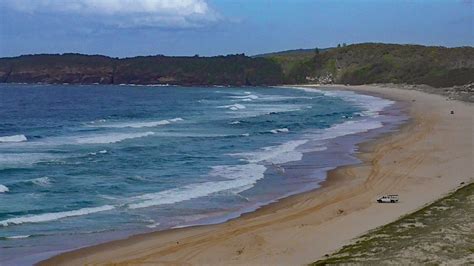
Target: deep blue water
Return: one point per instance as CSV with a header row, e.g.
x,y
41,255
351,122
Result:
x,y
110,161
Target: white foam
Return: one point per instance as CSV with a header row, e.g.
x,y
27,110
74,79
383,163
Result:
x,y
290,151
18,237
280,130
372,105
238,190
91,138
276,98
138,124
100,152
346,128
235,122
234,107
246,97
110,138
14,138
258,110
3,189
284,153
153,224
42,181
235,172
238,176
190,134
108,197
46,217
99,121
13,160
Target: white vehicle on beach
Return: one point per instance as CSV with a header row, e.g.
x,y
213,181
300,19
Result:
x,y
388,199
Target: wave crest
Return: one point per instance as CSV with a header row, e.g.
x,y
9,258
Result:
x,y
14,138
42,181
239,176
46,217
3,189
234,107
111,138
138,124
280,130
279,154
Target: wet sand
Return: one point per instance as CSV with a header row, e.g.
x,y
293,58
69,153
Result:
x,y
426,159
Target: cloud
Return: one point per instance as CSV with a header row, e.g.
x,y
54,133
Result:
x,y
126,13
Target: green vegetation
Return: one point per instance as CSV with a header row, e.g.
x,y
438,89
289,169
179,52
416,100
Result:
x,y
380,63
440,233
347,64
292,59
236,70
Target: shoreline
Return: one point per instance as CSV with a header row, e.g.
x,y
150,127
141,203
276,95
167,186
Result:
x,y
264,236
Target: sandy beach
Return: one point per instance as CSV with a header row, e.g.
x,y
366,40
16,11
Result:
x,y
427,158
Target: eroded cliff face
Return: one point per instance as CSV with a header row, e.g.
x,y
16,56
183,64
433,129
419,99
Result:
x,y
82,69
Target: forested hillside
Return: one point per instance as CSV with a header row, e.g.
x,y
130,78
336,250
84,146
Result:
x,y
236,70
382,63
353,64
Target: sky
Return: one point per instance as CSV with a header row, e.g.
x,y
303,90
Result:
x,y
125,28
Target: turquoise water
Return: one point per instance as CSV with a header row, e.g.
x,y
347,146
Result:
x,y
109,161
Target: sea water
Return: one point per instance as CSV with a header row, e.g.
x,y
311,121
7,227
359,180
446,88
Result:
x,y
81,165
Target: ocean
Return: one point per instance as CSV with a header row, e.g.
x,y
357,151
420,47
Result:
x,y
80,165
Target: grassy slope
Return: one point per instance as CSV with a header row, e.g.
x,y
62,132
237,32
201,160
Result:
x,y
439,233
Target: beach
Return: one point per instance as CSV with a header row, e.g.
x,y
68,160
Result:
x,y
427,158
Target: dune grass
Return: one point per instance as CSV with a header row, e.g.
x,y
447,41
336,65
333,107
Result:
x,y
440,233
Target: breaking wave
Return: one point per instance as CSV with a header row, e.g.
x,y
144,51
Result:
x,y
14,138
238,176
42,181
233,107
46,217
3,188
280,130
137,124
111,138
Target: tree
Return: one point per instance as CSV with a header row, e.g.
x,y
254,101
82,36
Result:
x,y
316,51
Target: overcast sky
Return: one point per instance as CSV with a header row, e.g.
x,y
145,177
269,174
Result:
x,y
211,27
